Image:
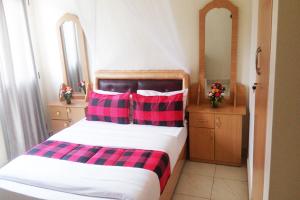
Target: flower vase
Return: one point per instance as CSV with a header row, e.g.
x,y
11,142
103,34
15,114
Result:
x,y
68,101
214,104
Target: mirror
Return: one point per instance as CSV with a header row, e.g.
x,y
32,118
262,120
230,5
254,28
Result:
x,y
218,48
73,53
69,33
218,25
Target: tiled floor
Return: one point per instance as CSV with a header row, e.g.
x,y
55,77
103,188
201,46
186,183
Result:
x,y
201,181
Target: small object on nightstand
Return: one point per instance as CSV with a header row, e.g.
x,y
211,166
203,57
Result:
x,y
66,92
216,95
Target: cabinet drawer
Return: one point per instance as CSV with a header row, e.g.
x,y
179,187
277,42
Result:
x,y
58,125
75,114
58,112
201,144
202,120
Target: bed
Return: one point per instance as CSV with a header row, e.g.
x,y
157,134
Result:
x,y
139,184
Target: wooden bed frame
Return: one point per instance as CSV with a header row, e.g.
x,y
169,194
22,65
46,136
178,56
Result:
x,y
172,182
152,75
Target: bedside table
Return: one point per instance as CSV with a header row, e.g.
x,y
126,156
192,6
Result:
x,y
63,115
215,134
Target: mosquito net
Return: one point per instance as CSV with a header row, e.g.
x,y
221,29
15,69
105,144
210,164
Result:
x,y
135,34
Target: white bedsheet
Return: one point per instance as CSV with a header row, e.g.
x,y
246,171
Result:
x,y
142,184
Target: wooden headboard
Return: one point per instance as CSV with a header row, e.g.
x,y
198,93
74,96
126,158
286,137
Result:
x,y
132,80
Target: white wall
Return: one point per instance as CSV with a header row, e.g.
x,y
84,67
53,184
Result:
x,y
44,15
3,155
184,19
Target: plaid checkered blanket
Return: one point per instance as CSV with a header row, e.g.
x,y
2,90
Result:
x,y
156,161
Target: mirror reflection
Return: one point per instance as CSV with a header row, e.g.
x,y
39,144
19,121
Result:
x,y
218,30
71,51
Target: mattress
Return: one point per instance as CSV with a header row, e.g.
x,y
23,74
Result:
x,y
168,139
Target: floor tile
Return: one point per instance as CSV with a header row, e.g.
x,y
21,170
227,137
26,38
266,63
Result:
x,y
225,189
194,185
234,173
186,197
203,169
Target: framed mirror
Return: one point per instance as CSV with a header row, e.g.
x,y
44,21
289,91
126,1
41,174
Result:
x,y
218,48
73,54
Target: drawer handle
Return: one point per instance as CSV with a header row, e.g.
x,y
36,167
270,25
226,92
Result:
x,y
66,124
57,113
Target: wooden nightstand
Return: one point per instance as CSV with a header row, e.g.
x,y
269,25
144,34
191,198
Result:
x,y
215,134
63,115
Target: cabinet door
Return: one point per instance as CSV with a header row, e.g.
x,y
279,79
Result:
x,y
228,138
58,125
75,114
201,144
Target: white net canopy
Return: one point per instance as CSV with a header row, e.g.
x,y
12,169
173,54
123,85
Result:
x,y
135,34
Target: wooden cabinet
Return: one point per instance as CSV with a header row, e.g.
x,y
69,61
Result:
x,y
228,138
215,134
202,144
64,115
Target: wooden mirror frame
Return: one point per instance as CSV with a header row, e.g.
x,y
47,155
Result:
x,y
82,46
202,17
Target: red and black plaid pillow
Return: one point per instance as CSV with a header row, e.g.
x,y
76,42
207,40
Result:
x,y
158,110
108,108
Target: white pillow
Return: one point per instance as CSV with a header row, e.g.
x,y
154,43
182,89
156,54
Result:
x,y
106,92
156,93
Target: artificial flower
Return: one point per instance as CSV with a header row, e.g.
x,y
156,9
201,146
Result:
x,y
216,95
